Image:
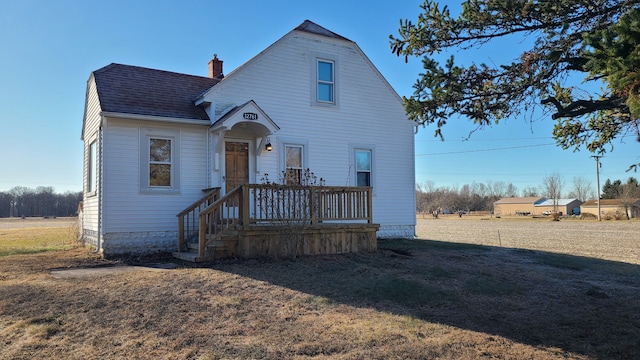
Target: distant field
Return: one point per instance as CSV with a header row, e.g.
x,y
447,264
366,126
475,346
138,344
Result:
x,y
35,235
610,240
20,223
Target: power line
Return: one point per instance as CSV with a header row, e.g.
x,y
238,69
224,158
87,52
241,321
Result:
x,y
482,150
479,140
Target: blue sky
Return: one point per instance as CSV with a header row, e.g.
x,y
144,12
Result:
x,y
49,48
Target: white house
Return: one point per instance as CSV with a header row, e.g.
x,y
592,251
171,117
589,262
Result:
x,y
154,140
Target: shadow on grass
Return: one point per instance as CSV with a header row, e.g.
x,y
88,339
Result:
x,y
581,305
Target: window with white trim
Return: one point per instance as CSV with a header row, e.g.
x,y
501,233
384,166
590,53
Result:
x,y
293,164
325,91
159,154
160,162
92,167
363,167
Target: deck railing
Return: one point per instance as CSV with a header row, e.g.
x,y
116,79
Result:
x,y
271,204
313,204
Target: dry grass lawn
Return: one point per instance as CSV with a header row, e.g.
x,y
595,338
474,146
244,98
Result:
x,y
438,298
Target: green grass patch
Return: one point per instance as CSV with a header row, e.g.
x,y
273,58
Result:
x,y
405,247
563,261
485,284
433,273
406,292
581,263
36,240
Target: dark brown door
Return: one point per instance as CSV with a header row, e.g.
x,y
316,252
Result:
x,y
236,164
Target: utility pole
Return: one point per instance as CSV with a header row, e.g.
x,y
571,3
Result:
x,y
597,157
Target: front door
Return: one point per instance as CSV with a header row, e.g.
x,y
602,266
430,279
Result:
x,y
236,164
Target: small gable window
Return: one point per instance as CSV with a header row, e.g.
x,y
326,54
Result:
x,y
326,81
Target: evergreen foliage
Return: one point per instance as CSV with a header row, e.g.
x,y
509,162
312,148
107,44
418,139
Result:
x,y
596,40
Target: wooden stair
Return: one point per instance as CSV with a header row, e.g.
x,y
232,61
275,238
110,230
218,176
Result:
x,y
225,246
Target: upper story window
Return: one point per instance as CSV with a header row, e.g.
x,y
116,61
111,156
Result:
x,y
326,81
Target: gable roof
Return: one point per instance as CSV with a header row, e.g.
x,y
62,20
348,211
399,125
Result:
x,y
520,200
143,91
559,202
611,202
313,28
308,27
263,119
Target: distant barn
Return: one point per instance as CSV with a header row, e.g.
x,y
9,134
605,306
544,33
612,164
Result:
x,y
612,207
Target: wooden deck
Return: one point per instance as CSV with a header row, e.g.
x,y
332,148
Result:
x,y
277,221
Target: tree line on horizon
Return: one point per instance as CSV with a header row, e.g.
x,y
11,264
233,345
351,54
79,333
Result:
x,y
42,201
481,196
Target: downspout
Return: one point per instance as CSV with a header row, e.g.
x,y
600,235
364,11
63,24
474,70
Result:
x,y
99,187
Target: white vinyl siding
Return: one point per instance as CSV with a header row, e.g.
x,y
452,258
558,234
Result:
x,y
127,208
369,112
90,134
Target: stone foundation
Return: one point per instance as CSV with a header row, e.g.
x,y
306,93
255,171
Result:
x,y
396,232
138,243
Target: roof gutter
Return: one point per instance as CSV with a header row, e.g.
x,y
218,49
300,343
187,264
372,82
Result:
x,y
165,119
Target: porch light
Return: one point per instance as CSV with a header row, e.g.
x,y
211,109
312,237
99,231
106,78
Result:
x,y
268,147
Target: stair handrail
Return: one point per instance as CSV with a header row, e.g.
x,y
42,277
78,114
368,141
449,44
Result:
x,y
215,192
216,212
187,217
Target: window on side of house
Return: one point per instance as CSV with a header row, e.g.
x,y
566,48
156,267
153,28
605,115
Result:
x,y
92,167
160,162
159,156
363,167
325,91
293,164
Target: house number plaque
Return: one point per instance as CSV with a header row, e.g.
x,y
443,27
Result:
x,y
250,116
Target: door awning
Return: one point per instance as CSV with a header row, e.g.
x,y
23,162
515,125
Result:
x,y
249,117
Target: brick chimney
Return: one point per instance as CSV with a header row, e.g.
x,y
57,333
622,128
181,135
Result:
x,y
215,68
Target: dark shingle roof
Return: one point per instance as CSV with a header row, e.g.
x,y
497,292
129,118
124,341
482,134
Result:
x,y
138,90
313,28
142,91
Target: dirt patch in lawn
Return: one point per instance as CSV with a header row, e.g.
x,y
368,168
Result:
x,y
424,299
